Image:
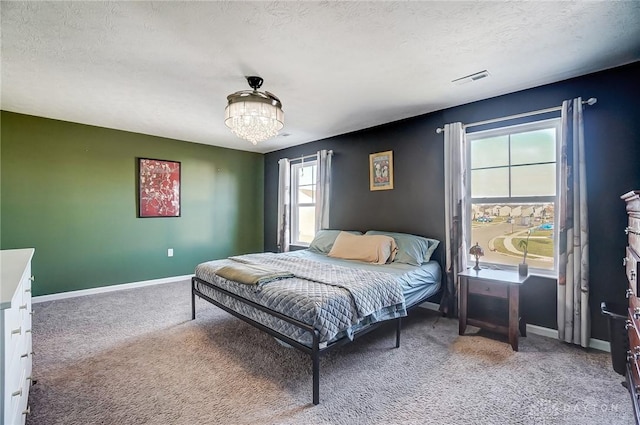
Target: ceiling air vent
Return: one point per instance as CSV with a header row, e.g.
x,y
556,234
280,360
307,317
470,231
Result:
x,y
473,77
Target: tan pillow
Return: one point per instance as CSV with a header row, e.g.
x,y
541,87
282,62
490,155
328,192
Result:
x,y
377,249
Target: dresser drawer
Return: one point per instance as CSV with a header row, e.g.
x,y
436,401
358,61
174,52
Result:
x,y
633,356
26,320
635,372
27,363
13,330
12,373
13,379
26,282
16,402
631,262
633,230
16,385
16,358
488,288
25,292
24,400
634,305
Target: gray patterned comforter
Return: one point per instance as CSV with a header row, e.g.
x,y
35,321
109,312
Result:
x,y
336,300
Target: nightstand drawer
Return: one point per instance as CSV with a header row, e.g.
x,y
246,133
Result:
x,y
490,289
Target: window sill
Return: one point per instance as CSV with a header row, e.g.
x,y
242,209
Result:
x,y
297,247
548,274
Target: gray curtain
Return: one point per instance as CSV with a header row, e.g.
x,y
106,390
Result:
x,y
323,188
573,245
455,183
284,200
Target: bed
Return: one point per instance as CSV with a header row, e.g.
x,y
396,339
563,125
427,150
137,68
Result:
x,y
342,287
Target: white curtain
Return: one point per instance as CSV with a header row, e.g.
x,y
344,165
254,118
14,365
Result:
x,y
455,183
573,246
284,199
323,188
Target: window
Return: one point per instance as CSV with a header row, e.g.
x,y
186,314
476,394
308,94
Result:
x,y
513,193
303,202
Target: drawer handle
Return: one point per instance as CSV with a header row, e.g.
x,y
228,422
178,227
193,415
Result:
x,y
632,356
629,293
16,393
22,307
636,313
32,278
631,230
624,261
27,411
632,275
28,331
17,331
24,355
628,324
27,290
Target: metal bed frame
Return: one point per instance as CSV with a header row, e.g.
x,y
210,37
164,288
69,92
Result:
x,y
314,351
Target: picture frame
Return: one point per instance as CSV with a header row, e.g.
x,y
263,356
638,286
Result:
x,y
159,186
381,170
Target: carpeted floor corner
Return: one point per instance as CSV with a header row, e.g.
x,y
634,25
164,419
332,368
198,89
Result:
x,y
135,357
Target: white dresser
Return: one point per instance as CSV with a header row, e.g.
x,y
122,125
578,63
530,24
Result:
x,y
15,334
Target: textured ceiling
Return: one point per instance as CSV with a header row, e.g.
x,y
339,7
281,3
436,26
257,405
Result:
x,y
165,68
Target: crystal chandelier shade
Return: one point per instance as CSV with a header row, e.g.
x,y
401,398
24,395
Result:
x,y
253,115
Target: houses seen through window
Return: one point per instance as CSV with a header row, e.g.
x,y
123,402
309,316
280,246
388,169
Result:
x,y
303,202
513,193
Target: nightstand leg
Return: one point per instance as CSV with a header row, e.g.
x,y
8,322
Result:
x,y
514,303
462,322
523,323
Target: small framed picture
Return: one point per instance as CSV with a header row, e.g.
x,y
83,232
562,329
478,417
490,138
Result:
x,y
381,171
158,188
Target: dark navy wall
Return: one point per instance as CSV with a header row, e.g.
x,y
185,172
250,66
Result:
x,y
416,205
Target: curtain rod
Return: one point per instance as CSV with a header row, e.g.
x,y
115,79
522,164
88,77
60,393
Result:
x,y
589,102
301,158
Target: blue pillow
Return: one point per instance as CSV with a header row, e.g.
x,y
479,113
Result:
x,y
324,239
412,249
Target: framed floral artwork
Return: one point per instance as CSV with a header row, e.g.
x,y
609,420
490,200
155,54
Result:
x,y
158,188
381,171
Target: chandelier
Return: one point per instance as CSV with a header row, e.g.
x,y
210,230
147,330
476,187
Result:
x,y
254,115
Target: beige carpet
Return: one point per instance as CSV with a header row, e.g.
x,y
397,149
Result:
x,y
135,357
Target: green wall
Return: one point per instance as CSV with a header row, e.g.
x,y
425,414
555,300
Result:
x,y
69,191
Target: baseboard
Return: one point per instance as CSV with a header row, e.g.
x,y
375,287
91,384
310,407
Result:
x,y
596,344
109,288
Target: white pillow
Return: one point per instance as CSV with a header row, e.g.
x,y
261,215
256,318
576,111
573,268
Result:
x,y
377,249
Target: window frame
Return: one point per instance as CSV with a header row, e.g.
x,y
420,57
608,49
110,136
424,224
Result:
x,y
555,123
294,205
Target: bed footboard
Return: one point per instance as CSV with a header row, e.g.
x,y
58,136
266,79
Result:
x,y
314,351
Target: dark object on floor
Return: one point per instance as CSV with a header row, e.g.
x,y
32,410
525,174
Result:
x,y
618,335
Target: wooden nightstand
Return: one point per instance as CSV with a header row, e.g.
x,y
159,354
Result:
x,y
500,284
